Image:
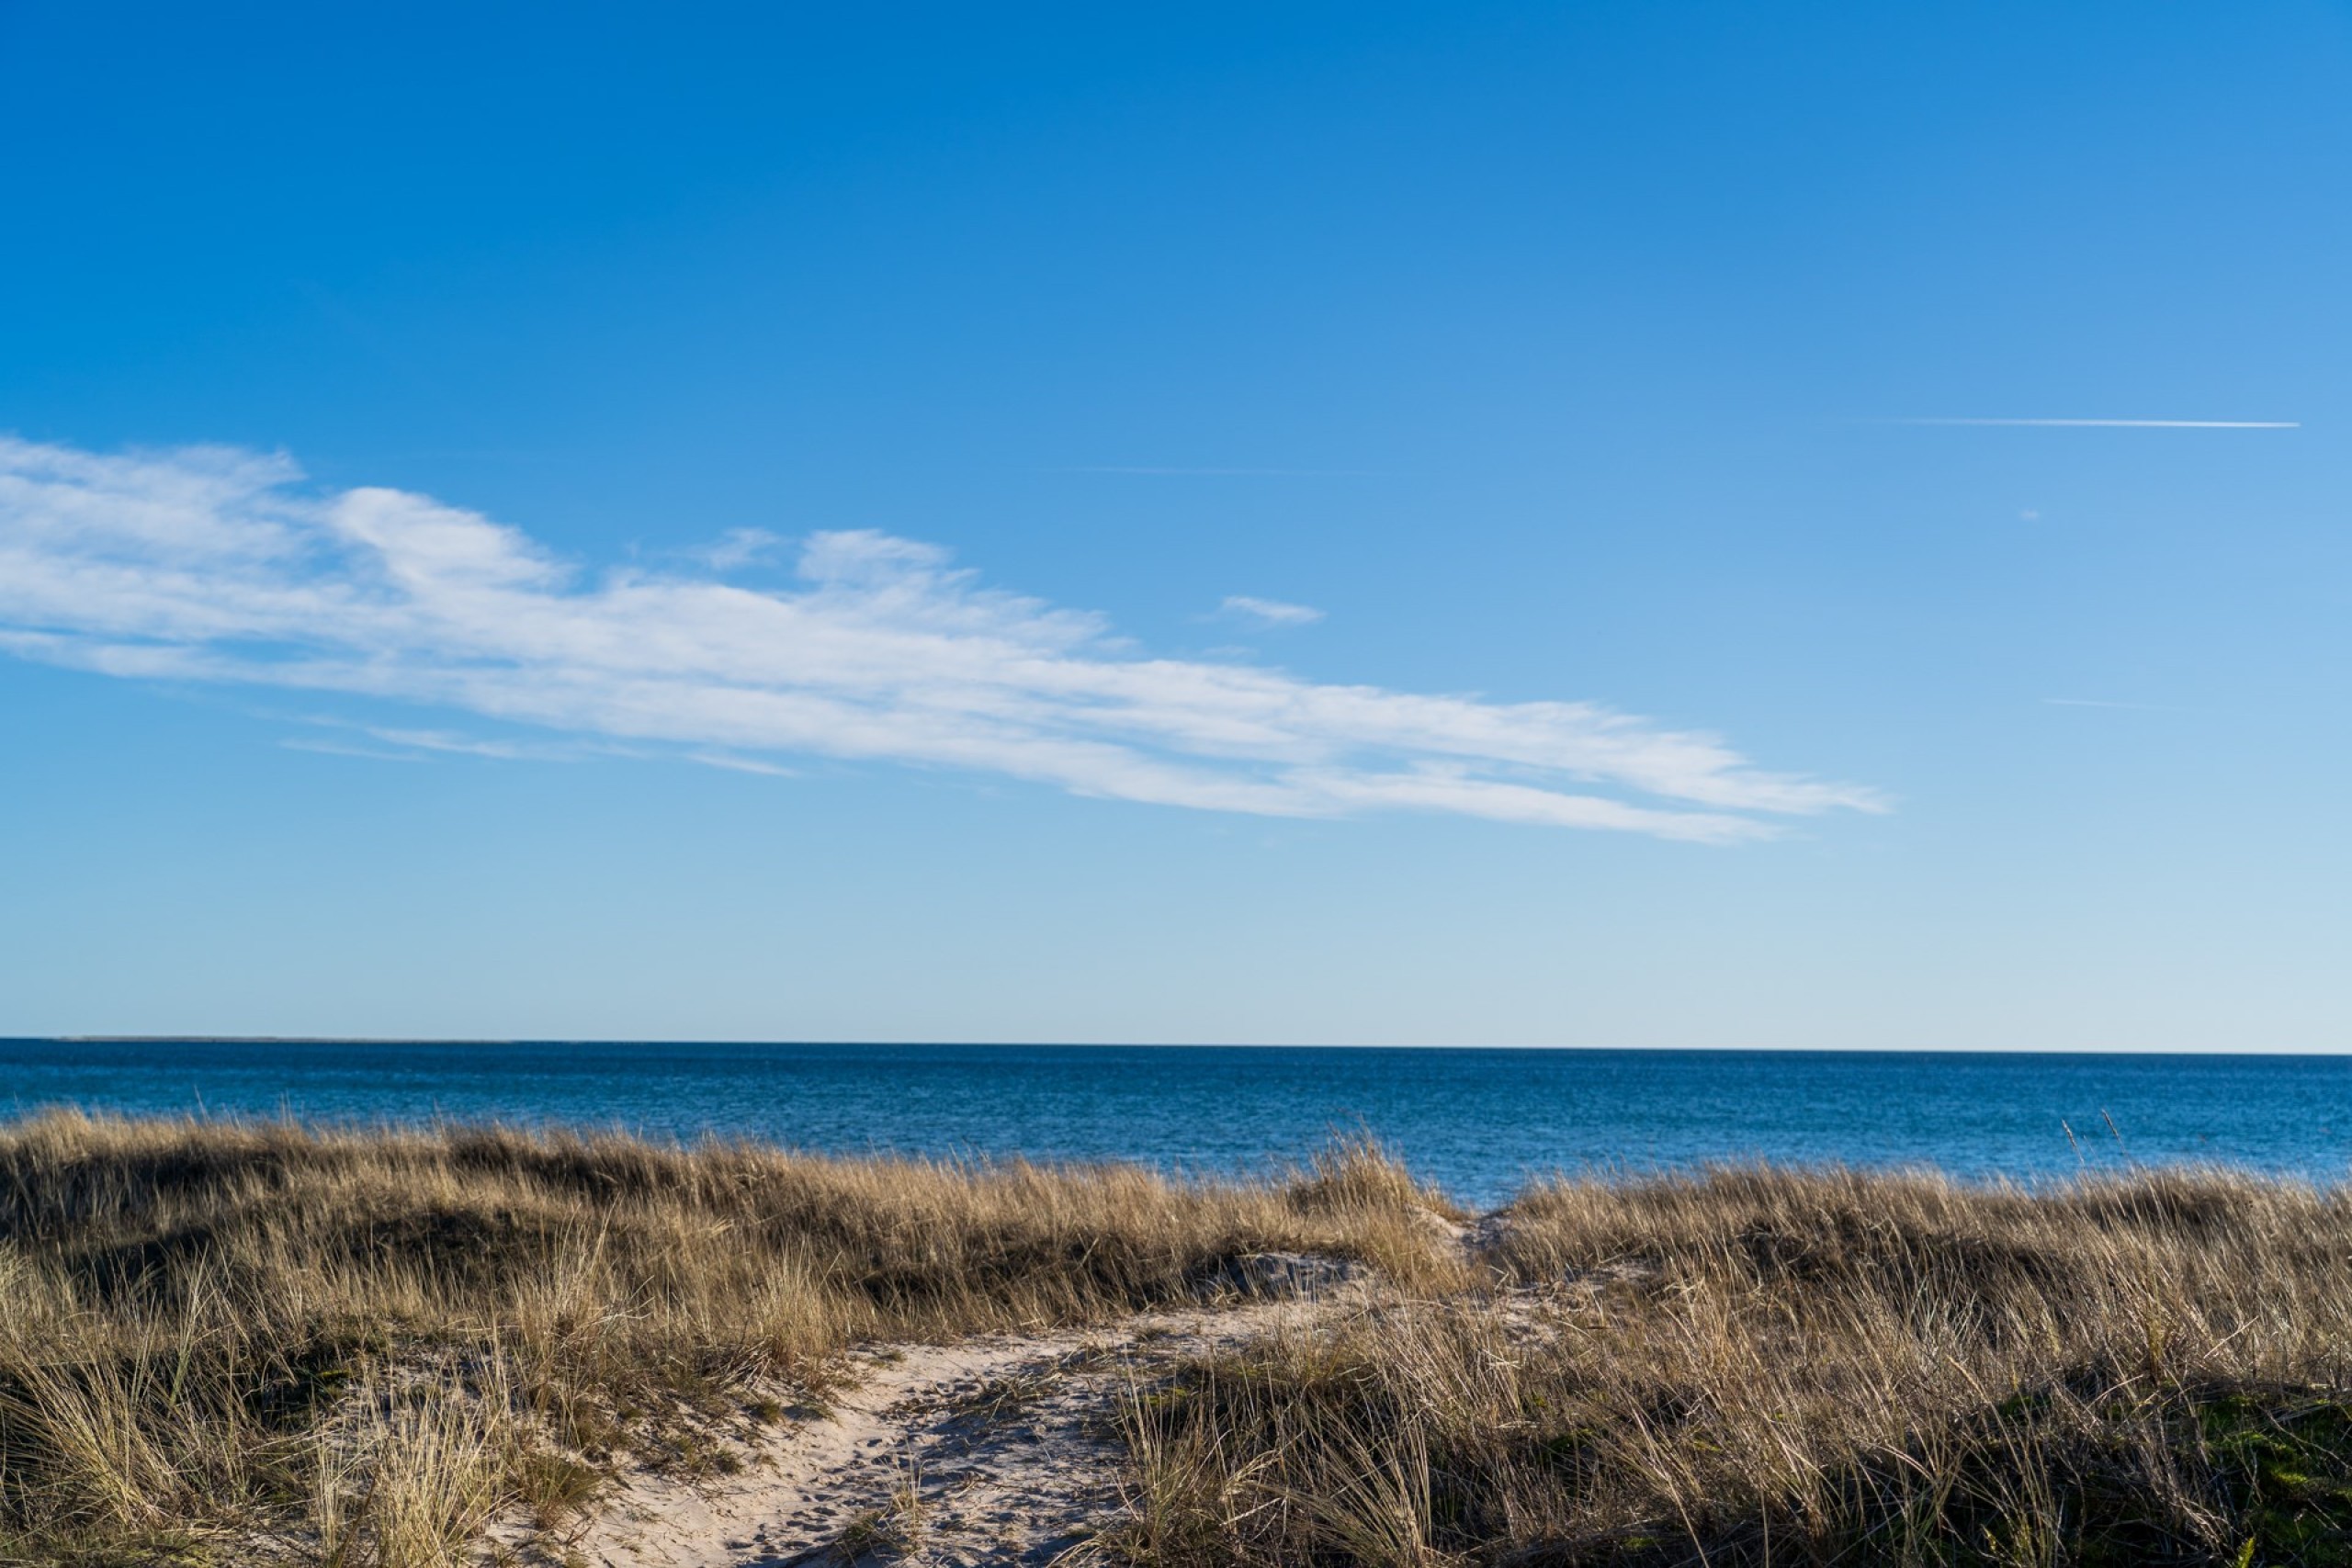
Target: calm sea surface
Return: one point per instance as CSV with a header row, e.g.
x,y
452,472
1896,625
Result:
x,y
1478,1122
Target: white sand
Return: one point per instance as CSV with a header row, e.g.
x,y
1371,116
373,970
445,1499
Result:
x,y
1007,1445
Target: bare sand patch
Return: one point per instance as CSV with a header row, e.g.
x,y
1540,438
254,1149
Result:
x,y
1001,1449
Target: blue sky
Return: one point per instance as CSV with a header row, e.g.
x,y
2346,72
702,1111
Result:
x,y
1307,523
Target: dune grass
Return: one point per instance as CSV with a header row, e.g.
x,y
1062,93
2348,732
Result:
x,y
225,1343
1754,1366
220,1341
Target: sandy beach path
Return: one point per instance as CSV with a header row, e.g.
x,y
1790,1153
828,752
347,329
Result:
x,y
997,1450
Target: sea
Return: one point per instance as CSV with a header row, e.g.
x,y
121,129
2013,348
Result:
x,y
1480,1123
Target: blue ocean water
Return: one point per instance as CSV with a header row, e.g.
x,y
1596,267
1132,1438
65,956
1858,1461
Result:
x,y
1478,1122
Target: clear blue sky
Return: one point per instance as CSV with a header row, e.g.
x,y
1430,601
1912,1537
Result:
x,y
1259,523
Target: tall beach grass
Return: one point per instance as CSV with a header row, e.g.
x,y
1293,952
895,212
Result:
x,y
356,1348
228,1343
1753,1366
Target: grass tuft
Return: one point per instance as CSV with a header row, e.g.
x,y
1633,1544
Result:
x,y
1750,1365
228,1343
366,1345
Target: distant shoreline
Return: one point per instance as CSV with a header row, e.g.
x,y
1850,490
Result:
x,y
2342,1053
1480,1120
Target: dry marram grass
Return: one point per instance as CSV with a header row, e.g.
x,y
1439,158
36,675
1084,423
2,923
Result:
x,y
232,1343
1756,1366
355,1347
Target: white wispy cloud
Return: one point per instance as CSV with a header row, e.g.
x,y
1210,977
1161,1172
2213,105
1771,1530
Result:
x,y
222,565
2124,423
455,744
1225,473
1270,612
736,547
741,764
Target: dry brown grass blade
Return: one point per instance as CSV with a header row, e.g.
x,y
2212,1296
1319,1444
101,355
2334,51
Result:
x,y
1825,1366
370,1341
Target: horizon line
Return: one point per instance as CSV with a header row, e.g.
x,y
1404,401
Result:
x,y
1144,1045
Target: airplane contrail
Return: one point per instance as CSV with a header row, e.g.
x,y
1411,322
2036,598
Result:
x,y
2127,423
1236,473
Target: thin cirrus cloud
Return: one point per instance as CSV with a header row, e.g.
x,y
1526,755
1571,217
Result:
x,y
215,564
2122,423
1224,473
1270,612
